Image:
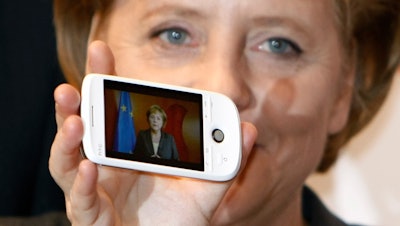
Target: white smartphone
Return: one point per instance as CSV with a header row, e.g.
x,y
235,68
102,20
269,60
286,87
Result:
x,y
160,128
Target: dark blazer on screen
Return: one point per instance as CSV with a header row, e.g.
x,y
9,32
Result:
x,y
166,149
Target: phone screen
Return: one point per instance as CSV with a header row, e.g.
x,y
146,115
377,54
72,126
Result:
x,y
153,125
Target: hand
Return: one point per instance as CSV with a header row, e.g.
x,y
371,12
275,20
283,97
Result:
x,y
100,195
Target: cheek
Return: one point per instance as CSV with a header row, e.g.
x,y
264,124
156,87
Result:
x,y
292,117
294,108
290,144
129,63
296,120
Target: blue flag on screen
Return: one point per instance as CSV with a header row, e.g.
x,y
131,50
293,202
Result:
x,y
125,138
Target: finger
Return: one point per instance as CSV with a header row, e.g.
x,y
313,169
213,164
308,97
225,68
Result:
x,y
84,199
249,136
65,155
100,59
232,200
67,100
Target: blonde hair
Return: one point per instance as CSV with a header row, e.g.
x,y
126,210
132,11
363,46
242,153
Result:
x,y
369,29
73,20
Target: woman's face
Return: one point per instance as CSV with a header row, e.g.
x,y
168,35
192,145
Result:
x,y
280,61
156,121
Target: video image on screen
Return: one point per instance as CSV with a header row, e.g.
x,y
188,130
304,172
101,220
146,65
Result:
x,y
153,125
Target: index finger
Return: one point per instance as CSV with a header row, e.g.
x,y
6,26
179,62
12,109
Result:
x,y
67,101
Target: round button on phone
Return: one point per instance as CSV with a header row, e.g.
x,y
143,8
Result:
x,y
218,135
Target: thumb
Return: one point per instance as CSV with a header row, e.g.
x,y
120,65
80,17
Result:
x,y
249,136
100,59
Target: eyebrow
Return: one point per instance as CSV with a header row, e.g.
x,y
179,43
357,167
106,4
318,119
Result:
x,y
280,22
178,10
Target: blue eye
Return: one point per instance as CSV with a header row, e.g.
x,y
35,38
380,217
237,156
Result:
x,y
174,36
279,46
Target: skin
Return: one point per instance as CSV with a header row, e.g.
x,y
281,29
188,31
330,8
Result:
x,y
280,61
156,122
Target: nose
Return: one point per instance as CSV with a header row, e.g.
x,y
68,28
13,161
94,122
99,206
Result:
x,y
227,76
